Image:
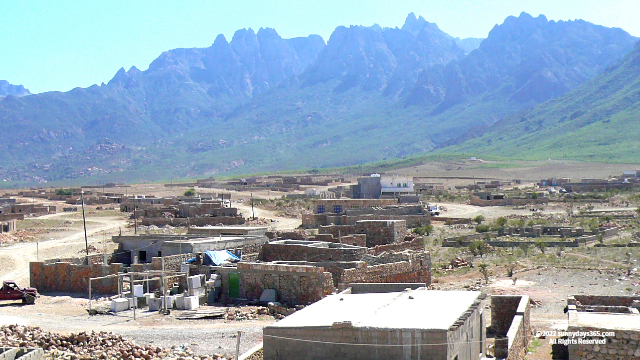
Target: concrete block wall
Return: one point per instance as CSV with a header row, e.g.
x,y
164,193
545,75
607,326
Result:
x,y
368,288
295,284
319,343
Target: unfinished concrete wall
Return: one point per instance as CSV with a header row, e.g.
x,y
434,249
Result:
x,y
294,284
368,288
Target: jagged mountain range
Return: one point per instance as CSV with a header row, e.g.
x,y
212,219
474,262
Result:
x,y
263,103
13,90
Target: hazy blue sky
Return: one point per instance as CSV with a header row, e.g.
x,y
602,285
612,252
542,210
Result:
x,y
59,45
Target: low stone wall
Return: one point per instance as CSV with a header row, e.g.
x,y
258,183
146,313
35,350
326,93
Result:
x,y
195,221
452,220
295,284
417,245
624,344
511,319
603,300
507,201
575,242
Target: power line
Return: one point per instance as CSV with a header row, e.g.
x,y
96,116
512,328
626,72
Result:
x,y
373,345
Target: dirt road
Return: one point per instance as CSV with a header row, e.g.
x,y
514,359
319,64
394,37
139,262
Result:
x,y
14,259
281,223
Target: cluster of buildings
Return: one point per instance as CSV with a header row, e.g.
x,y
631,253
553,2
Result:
x,y
11,211
199,210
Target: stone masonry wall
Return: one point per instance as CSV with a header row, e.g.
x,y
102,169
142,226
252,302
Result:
x,y
294,284
417,270
305,252
70,278
503,309
195,221
624,345
604,300
512,325
416,244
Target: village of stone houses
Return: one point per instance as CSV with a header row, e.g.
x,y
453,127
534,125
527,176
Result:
x,y
416,264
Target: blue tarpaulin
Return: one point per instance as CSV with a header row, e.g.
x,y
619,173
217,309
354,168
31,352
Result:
x,y
218,257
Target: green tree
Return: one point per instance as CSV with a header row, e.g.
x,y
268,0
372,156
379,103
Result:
x,y
190,192
541,245
478,219
484,270
525,248
501,221
64,192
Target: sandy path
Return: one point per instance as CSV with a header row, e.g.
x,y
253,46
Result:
x,y
16,257
282,223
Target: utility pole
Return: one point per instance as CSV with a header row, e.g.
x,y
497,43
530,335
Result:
x,y
135,218
253,215
84,223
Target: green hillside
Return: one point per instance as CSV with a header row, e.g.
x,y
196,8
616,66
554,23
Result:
x,y
598,121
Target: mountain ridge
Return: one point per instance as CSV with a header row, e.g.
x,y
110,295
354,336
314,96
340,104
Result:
x,y
263,103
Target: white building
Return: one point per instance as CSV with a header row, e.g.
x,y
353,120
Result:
x,y
397,185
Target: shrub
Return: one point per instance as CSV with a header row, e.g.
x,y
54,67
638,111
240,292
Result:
x,y
482,228
64,192
190,192
423,230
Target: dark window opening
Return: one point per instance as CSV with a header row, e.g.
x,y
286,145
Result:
x,y
142,256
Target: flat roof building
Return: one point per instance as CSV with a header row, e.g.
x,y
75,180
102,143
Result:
x,y
413,324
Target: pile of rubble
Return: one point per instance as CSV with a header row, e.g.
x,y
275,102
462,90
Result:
x,y
90,248
258,221
275,309
240,314
101,345
19,236
609,225
459,262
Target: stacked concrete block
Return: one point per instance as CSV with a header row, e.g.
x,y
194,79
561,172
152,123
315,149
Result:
x,y
120,304
7,353
191,302
154,304
200,291
194,281
179,301
138,291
